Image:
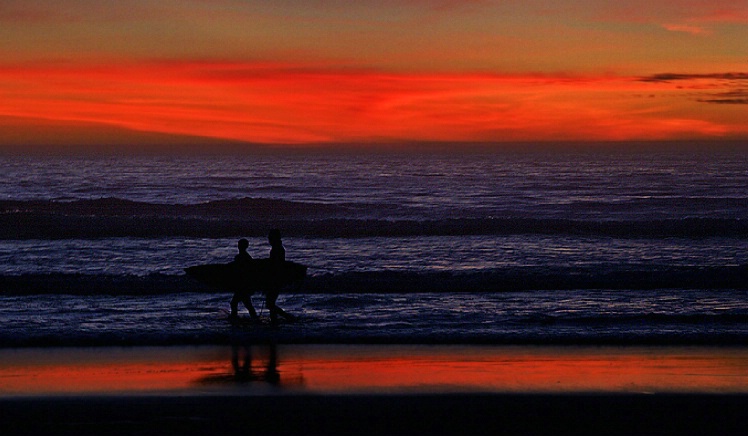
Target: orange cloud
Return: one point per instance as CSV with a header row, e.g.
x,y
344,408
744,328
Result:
x,y
685,28
290,103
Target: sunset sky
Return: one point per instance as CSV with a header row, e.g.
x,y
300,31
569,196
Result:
x,y
334,71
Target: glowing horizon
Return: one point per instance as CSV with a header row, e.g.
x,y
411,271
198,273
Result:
x,y
328,72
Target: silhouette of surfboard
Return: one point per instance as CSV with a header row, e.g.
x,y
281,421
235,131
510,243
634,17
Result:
x,y
257,275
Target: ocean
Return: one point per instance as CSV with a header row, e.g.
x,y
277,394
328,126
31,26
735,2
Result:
x,y
485,246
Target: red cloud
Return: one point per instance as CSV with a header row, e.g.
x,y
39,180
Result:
x,y
288,103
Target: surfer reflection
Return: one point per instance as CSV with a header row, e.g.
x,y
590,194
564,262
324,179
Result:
x,y
243,262
244,370
277,259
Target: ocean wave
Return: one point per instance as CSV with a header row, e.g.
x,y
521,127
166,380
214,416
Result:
x,y
173,322
532,317
642,319
112,206
404,282
531,279
113,217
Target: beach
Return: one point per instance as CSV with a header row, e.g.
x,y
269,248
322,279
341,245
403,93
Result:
x,y
428,217
578,293
374,389
463,414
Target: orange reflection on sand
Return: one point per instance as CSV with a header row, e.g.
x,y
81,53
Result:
x,y
106,378
77,371
537,369
369,369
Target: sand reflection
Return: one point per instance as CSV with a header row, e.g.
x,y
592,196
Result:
x,y
247,368
258,369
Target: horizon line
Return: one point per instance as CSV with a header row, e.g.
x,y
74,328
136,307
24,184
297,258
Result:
x,y
208,146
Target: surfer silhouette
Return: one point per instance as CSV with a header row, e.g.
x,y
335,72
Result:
x,y
243,256
242,261
245,276
277,258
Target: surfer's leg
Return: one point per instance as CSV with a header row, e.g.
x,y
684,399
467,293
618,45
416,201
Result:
x,y
270,298
248,304
283,313
235,304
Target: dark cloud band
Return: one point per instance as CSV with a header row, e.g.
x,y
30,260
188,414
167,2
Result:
x,y
672,77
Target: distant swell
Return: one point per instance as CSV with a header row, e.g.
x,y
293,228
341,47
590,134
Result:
x,y
111,217
382,282
257,207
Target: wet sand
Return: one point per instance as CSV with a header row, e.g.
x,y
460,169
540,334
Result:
x,y
427,414
374,389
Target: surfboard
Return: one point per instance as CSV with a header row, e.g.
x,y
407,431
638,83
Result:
x,y
256,275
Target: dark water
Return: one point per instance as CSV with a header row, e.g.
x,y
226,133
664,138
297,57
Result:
x,y
491,247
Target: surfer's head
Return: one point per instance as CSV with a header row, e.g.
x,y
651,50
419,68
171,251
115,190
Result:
x,y
274,237
243,244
